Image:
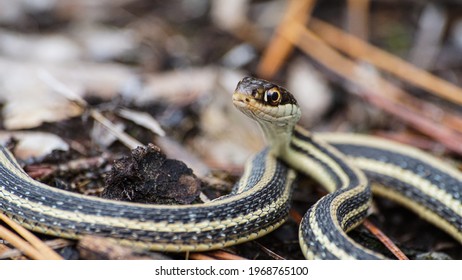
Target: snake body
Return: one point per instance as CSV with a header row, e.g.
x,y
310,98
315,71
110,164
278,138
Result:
x,y
260,201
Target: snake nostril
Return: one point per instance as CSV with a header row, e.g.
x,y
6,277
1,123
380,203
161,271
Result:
x,y
247,100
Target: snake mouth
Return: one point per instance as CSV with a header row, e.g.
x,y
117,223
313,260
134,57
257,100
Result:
x,y
249,106
257,111
239,100
245,103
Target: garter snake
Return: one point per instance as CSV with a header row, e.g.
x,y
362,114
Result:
x,y
260,201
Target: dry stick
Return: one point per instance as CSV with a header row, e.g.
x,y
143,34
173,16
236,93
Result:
x,y
372,87
55,244
385,240
65,91
445,136
269,252
296,216
339,38
223,255
360,49
388,62
214,255
123,137
448,117
20,244
279,47
199,256
38,244
411,139
357,20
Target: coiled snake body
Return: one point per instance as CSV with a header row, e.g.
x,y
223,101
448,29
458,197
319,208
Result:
x,y
260,201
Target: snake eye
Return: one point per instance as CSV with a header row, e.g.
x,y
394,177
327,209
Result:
x,y
273,96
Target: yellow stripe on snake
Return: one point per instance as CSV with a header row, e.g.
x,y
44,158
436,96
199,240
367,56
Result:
x,y
260,201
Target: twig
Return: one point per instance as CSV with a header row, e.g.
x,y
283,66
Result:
x,y
215,255
38,244
123,137
357,48
296,216
357,22
375,89
223,255
54,244
269,252
385,240
412,140
279,47
199,256
20,244
64,90
444,135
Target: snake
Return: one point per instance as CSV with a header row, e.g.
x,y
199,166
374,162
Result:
x,y
351,167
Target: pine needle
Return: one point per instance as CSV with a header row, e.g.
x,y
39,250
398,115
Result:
x,y
44,250
385,240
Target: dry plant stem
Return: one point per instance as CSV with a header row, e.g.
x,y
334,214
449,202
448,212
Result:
x,y
279,47
269,252
412,139
385,240
55,244
123,137
223,255
358,17
296,216
373,88
448,117
214,255
38,244
20,244
65,91
447,137
199,256
360,49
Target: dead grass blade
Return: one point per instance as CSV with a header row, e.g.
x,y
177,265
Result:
x,y
65,91
223,255
214,255
385,240
373,88
199,256
44,250
20,244
360,49
296,216
279,47
435,130
55,244
358,17
123,137
270,252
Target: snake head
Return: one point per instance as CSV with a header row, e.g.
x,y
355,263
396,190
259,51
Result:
x,y
264,101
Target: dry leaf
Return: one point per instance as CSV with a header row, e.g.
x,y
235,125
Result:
x,y
33,144
143,119
29,100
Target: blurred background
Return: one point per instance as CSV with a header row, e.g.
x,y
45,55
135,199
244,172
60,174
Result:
x,y
163,72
